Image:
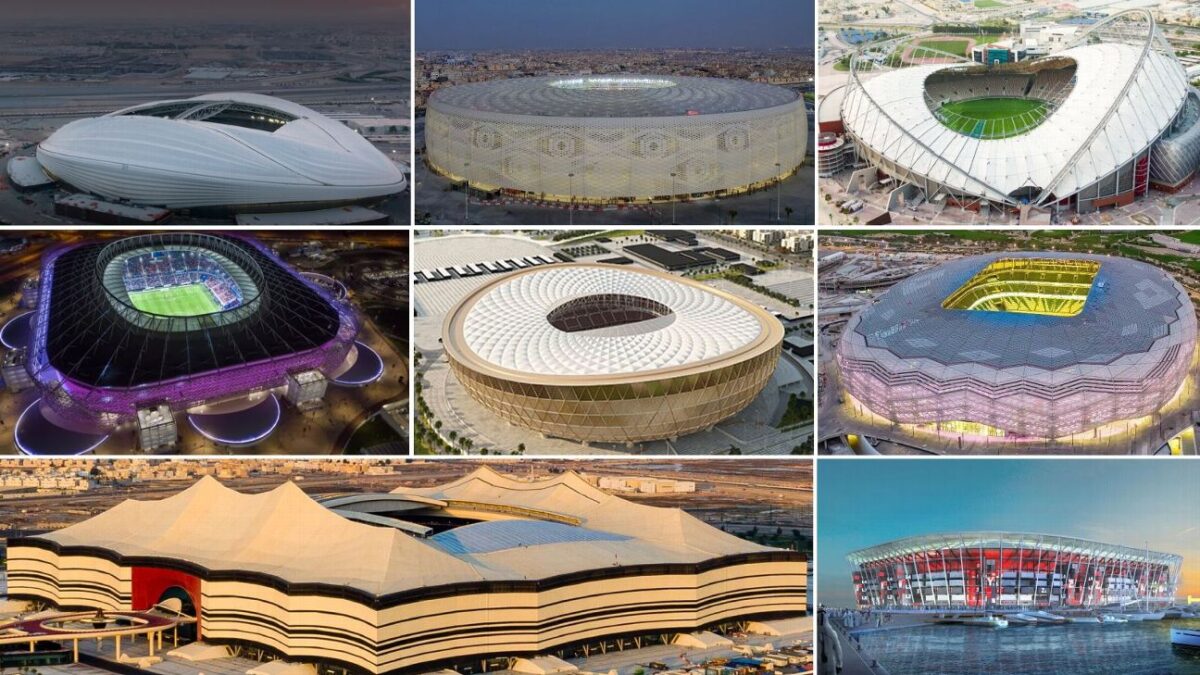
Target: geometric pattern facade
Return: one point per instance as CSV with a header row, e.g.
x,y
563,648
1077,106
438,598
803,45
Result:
x,y
989,570
911,360
695,137
1125,93
700,357
624,413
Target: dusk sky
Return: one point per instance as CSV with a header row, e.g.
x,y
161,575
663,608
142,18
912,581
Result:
x,y
612,24
1151,503
208,11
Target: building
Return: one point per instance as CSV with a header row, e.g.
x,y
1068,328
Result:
x,y
1100,122
1044,38
606,140
1021,345
484,566
998,52
999,570
611,354
226,150
208,325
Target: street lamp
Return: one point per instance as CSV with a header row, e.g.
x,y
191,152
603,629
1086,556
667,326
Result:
x,y
673,174
571,211
778,186
466,195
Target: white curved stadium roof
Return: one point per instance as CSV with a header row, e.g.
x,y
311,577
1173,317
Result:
x,y
508,325
888,112
178,157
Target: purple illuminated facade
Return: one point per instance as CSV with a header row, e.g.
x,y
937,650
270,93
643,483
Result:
x,y
80,405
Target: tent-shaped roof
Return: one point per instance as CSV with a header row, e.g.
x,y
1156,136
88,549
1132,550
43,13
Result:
x,y
282,532
286,534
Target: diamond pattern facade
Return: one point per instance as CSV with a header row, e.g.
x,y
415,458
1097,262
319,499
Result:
x,y
647,363
690,137
1123,356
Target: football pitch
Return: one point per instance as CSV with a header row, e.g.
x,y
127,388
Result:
x,y
993,117
190,300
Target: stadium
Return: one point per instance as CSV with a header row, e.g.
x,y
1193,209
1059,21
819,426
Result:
x,y
1018,346
127,334
484,566
220,151
1097,124
1008,570
610,354
616,139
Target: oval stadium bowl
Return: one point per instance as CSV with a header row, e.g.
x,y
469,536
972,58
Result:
x,y
219,150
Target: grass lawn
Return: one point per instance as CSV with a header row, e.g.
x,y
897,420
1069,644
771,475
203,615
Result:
x,y
993,117
987,4
952,46
1190,237
190,300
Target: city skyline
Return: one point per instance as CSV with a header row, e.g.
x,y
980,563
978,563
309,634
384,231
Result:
x,y
477,25
1137,504
215,11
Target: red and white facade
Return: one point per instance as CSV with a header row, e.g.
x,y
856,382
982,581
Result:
x,y
996,570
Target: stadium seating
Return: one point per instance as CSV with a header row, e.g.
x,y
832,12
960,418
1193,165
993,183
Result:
x,y
167,269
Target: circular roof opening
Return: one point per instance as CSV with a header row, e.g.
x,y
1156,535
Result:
x,y
608,310
612,83
179,282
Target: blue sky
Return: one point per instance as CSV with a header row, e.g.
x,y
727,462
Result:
x,y
1153,502
610,24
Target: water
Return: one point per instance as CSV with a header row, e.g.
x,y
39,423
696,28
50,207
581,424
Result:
x,y
1131,649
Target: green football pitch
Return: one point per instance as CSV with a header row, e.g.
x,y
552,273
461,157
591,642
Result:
x,y
951,46
190,300
993,117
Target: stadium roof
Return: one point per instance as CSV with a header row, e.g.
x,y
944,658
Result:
x,y
507,324
286,534
219,149
625,95
1133,313
1048,542
1124,96
91,339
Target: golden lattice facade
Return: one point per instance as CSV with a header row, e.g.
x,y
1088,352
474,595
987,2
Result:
x,y
624,412
645,401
